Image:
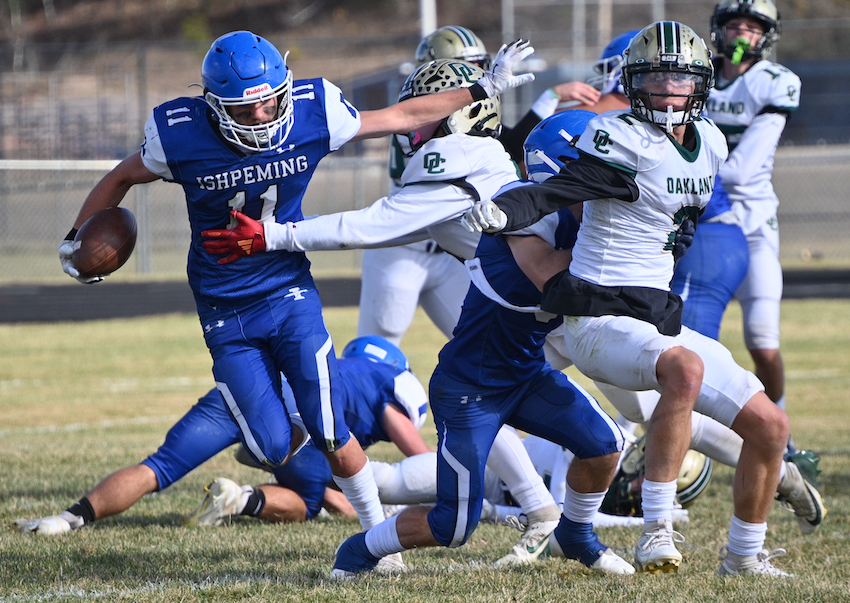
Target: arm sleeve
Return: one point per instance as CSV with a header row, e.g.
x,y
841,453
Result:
x,y
757,145
387,220
579,181
513,138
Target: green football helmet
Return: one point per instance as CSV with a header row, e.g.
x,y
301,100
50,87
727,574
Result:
x,y
763,11
671,52
453,42
481,118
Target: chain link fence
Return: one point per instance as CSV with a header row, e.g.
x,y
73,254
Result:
x,y
68,113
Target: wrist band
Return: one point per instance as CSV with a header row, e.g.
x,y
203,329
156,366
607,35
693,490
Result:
x,y
478,92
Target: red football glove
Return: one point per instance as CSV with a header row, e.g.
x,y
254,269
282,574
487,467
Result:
x,y
247,238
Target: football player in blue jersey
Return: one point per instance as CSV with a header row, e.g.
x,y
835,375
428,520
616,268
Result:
x,y
491,373
250,145
382,401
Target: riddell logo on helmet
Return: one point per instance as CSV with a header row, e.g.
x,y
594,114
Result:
x,y
258,90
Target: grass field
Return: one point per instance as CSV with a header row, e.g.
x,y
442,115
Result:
x,y
82,400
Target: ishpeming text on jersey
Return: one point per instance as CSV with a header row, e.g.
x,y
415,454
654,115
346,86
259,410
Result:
x,y
250,174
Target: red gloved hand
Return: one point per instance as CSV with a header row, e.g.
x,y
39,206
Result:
x,y
247,238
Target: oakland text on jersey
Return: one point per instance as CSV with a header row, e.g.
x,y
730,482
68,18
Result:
x,y
690,186
736,108
250,174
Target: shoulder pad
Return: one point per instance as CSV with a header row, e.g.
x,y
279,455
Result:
x,y
623,141
773,85
438,160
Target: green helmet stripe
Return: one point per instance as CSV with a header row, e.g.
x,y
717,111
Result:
x,y
464,34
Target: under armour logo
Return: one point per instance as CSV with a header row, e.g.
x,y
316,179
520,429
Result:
x,y
465,399
295,293
214,325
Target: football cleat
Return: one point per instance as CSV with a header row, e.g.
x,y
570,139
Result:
x,y
656,548
531,545
53,525
352,558
591,552
222,501
797,494
391,564
751,565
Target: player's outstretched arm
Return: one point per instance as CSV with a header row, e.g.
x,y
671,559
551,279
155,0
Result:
x,y
415,113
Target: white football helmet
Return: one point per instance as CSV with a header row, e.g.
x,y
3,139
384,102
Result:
x,y
453,42
694,476
670,52
481,118
763,11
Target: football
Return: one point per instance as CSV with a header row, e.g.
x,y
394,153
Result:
x,y
104,242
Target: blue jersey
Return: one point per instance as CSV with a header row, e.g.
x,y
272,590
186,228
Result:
x,y
719,202
492,344
208,428
217,178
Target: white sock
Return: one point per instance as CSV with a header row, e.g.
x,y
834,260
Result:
x,y
715,440
362,493
746,538
510,461
382,540
657,500
580,507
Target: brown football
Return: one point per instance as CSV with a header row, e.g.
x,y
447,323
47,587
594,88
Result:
x,y
104,242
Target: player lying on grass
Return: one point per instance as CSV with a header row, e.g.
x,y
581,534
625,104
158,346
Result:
x,y
383,402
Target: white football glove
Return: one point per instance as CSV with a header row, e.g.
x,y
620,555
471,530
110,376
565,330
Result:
x,y
484,216
66,253
501,75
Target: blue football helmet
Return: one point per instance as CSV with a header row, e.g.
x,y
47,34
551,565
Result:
x,y
551,143
607,69
241,68
376,348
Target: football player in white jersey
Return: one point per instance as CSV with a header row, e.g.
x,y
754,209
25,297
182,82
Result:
x,y
751,103
647,172
395,280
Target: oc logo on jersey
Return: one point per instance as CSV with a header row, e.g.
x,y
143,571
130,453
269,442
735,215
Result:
x,y
432,163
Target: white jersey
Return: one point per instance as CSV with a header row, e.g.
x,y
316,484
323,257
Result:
x,y
630,244
442,180
751,111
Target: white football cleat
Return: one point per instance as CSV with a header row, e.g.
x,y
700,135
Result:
x,y
531,546
610,562
795,493
656,548
53,525
751,565
391,564
220,504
